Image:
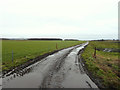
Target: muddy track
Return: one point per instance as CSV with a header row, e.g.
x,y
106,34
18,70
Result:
x,y
62,69
58,79
55,68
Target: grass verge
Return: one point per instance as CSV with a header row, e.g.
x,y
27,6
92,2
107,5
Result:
x,y
25,50
105,67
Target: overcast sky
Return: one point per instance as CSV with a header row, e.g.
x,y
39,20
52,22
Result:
x,y
79,19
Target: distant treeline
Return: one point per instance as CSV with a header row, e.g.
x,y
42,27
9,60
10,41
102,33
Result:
x,y
71,40
53,39
58,39
44,39
12,39
4,39
106,40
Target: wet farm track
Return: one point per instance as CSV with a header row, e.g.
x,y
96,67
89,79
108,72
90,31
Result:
x,y
62,69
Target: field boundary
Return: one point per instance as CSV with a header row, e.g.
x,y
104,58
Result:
x,y
96,80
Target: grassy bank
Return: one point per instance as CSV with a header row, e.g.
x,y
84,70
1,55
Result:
x,y
21,51
105,66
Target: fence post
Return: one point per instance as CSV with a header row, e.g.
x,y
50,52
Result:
x,y
95,53
12,55
56,46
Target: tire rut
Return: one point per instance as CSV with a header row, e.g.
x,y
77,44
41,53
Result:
x,y
54,69
53,79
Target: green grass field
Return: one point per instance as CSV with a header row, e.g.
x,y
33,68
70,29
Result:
x,y
106,64
24,50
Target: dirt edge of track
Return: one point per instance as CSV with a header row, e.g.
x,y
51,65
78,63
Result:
x,y
96,80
